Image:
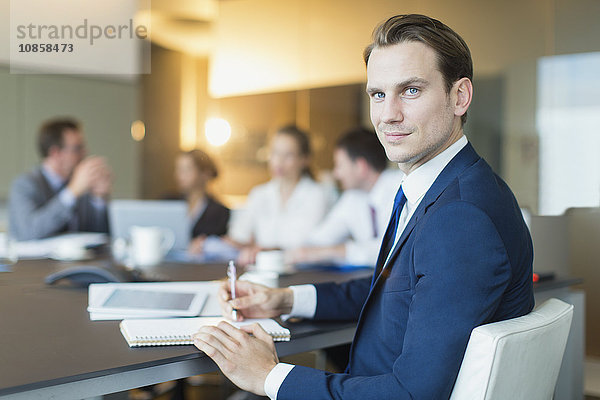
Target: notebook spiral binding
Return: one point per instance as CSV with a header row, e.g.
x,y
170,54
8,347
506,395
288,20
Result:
x,y
134,339
186,339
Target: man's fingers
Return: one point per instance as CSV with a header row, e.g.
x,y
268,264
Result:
x,y
224,364
218,338
94,162
219,346
224,288
207,348
236,334
244,302
248,287
226,309
258,332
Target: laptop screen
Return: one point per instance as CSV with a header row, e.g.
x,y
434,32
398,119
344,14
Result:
x,y
171,214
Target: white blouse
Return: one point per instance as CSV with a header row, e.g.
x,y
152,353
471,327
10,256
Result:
x,y
275,225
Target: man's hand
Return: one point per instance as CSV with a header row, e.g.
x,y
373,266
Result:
x,y
86,173
255,301
102,183
246,360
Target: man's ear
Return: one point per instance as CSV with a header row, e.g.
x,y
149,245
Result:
x,y
362,164
464,94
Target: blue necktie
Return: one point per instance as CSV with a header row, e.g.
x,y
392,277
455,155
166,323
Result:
x,y
390,234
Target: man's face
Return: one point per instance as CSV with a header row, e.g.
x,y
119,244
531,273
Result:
x,y
71,153
410,109
345,170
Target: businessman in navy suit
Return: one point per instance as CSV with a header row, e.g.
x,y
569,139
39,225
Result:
x,y
456,254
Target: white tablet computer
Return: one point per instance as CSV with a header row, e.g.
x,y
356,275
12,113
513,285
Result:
x,y
150,301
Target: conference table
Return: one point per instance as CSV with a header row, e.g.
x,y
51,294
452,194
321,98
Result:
x,y
51,349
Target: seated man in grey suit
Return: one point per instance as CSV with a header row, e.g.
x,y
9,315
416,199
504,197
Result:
x,y
67,192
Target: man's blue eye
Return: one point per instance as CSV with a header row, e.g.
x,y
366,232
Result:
x,y
412,91
378,95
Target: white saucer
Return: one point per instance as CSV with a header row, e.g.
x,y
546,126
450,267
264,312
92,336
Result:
x,y
80,256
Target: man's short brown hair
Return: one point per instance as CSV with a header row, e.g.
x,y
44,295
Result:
x,y
51,133
453,55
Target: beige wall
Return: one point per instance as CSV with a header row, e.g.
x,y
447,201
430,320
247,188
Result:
x,y
520,146
9,132
301,44
296,44
106,109
571,27
293,48
161,110
324,112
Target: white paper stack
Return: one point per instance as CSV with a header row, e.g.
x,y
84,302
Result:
x,y
44,248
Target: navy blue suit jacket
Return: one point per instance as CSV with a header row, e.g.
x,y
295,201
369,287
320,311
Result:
x,y
464,259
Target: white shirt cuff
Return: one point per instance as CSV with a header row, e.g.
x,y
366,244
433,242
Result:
x,y
305,302
67,198
276,378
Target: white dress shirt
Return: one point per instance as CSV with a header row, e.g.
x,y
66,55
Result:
x,y
275,225
415,186
56,182
350,221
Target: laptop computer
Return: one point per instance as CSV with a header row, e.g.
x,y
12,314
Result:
x,y
171,214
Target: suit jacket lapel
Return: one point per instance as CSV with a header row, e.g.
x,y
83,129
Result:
x,y
43,184
465,158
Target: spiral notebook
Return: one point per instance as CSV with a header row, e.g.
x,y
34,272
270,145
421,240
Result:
x,y
179,331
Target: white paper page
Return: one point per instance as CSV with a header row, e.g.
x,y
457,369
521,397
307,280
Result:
x,y
43,248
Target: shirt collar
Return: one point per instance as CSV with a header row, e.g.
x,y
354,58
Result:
x,y
418,182
54,180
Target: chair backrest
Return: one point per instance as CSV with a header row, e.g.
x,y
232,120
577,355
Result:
x,y
516,359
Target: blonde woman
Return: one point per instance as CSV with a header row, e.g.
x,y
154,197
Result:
x,y
281,213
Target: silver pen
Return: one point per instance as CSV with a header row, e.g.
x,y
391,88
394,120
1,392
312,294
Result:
x,y
232,275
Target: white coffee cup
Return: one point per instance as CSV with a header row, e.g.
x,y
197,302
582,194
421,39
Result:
x,y
271,260
149,244
8,251
266,278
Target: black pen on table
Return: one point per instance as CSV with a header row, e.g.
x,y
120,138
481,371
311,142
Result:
x,y
232,275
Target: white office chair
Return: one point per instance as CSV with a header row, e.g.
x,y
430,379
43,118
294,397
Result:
x,y
517,358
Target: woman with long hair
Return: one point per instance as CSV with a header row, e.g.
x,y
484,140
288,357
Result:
x,y
281,213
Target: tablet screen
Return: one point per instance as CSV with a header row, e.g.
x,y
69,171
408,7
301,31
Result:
x,y
144,299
